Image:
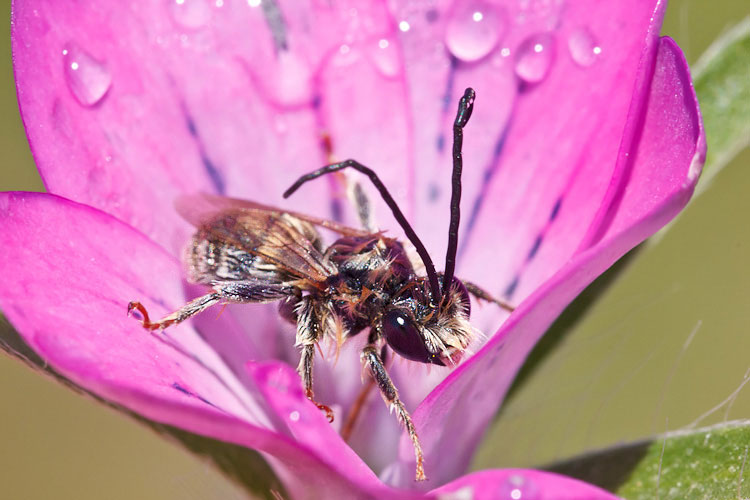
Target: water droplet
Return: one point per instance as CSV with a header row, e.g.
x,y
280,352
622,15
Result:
x,y
294,416
87,78
583,47
517,487
474,29
534,57
253,3
404,26
190,13
385,57
279,380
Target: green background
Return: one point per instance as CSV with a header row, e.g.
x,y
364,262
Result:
x,y
622,373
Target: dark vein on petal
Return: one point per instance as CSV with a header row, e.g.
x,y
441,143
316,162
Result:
x,y
534,250
440,143
327,148
191,125
188,392
276,24
535,246
555,209
433,190
170,343
511,288
213,172
489,172
449,84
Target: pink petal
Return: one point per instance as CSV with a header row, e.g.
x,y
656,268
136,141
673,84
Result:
x,y
69,279
536,168
667,161
67,283
532,152
512,484
169,98
280,385
258,119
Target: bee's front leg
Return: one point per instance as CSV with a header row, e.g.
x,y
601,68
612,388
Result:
x,y
374,363
309,328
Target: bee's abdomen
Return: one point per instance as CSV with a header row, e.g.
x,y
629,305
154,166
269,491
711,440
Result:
x,y
208,261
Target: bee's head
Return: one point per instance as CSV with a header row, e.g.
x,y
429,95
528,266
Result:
x,y
417,330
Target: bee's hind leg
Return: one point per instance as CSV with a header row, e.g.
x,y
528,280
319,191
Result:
x,y
237,292
374,363
190,309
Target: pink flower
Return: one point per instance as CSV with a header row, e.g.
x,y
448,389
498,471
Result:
x,y
585,139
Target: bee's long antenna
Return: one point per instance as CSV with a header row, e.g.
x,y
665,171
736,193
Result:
x,y
421,250
465,107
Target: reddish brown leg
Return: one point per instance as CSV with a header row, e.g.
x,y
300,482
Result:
x,y
145,320
356,409
190,309
305,369
325,409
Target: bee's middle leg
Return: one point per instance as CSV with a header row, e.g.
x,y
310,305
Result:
x,y
309,329
374,363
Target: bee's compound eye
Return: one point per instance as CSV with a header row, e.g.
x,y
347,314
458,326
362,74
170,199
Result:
x,y
403,337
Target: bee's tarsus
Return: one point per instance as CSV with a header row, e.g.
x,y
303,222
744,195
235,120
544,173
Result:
x,y
144,318
325,409
190,309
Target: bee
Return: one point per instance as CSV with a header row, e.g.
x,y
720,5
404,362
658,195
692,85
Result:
x,y
252,253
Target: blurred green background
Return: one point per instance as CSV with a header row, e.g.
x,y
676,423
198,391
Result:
x,y
622,374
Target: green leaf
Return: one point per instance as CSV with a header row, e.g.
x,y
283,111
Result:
x,y
704,463
722,82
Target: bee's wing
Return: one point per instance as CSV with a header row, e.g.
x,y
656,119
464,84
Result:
x,y
284,243
200,207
